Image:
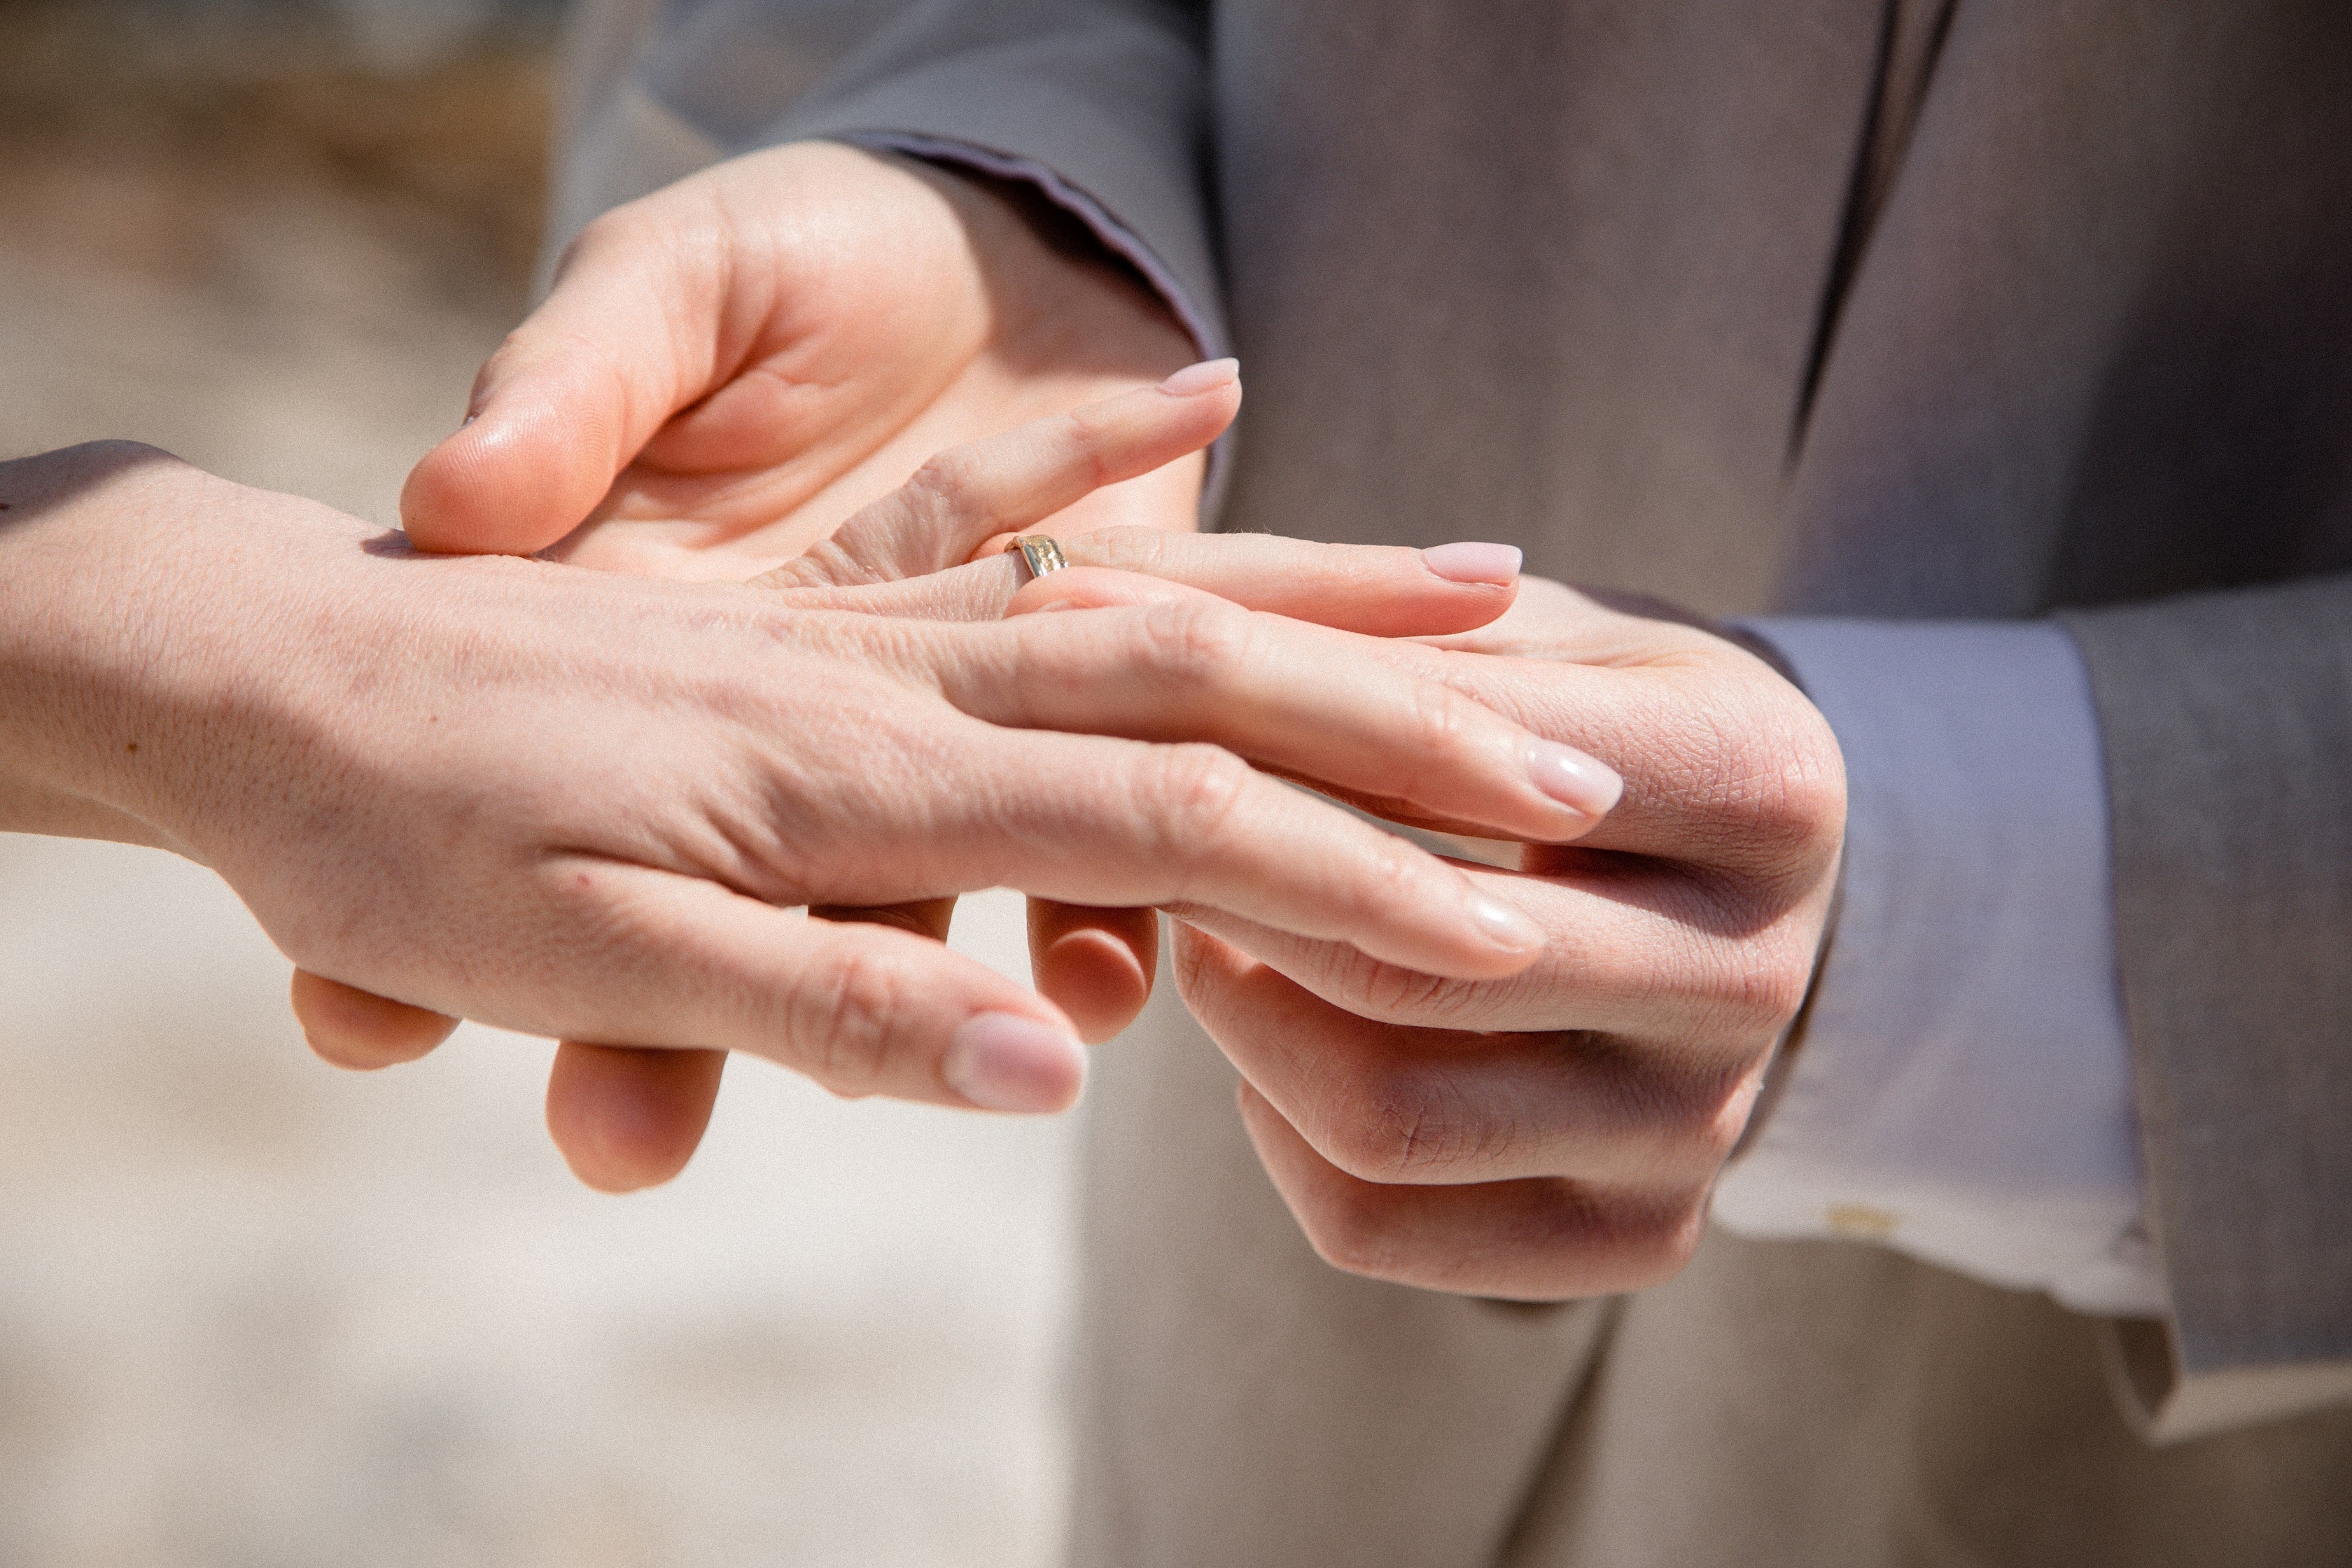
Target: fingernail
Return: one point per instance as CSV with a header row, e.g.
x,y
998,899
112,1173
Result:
x,y
1576,781
1506,927
1470,562
1002,1061
1206,376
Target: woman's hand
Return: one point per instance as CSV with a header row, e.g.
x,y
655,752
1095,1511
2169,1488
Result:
x,y
625,1117
1557,1132
724,371
580,803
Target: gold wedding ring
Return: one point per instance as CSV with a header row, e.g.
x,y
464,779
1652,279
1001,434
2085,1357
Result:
x,y
1040,554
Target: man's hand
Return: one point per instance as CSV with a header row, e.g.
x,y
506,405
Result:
x,y
1555,1132
731,366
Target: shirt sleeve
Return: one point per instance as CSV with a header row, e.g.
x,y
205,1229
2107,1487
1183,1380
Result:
x,y
1963,1092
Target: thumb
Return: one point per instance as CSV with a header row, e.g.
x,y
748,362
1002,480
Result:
x,y
625,338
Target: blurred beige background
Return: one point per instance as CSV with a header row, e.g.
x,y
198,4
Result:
x,y
254,1312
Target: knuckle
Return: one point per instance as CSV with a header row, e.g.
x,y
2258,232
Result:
x,y
1760,982
1406,995
1651,1246
948,482
1091,431
1403,1129
1388,877
849,1015
1188,965
1352,1236
1128,548
1745,763
1777,786
1440,718
1193,796
1695,1130
1195,642
1798,804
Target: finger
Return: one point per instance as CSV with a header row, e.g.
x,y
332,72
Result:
x,y
1724,763
1293,698
1012,481
674,961
1636,949
1536,1240
1091,820
1096,964
628,336
924,917
624,1118
1378,590
1440,1107
358,1029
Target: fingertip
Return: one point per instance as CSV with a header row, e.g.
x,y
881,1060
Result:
x,y
625,1119
1208,376
1475,563
359,1031
1013,1063
1097,978
511,481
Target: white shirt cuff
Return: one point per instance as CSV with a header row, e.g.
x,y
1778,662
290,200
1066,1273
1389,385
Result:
x,y
1964,1090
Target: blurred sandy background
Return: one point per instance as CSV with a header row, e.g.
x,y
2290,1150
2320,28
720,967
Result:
x,y
254,1312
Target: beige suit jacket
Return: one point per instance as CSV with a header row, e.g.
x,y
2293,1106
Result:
x,y
1995,308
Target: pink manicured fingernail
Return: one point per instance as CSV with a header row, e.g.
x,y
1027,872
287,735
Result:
x,y
1470,562
1576,781
1206,376
1002,1061
1506,927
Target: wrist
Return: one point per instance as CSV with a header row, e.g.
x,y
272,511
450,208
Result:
x,y
117,665
1063,295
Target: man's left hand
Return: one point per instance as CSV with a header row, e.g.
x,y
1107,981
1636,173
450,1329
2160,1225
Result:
x,y
1557,1133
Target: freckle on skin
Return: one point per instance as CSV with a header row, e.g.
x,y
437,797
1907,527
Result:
x,y
131,747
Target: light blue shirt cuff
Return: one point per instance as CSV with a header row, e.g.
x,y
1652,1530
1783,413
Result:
x,y
1964,1090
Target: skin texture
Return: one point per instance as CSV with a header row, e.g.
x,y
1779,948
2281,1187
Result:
x,y
583,804
1550,1134
1556,1134
729,369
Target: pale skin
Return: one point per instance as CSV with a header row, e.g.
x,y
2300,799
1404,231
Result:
x,y
1550,1131
587,804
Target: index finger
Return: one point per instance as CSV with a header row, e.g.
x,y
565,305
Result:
x,y
1385,591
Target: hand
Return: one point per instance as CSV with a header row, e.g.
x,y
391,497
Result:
x,y
625,1117
728,368
724,371
572,803
1555,1132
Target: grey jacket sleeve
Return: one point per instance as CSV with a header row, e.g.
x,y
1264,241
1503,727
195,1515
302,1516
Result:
x,y
1106,97
2227,720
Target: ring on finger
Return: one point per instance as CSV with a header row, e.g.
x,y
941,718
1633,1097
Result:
x,y
1039,553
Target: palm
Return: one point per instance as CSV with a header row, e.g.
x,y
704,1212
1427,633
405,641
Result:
x,y
780,341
